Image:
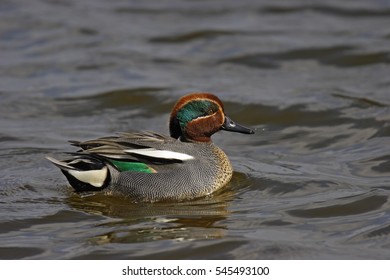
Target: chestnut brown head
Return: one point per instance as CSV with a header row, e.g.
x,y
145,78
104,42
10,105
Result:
x,y
197,116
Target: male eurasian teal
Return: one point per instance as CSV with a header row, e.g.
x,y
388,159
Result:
x,y
147,166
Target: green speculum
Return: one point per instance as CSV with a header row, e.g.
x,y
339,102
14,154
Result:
x,y
132,166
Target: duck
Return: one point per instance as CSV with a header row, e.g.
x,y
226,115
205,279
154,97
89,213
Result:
x,y
146,166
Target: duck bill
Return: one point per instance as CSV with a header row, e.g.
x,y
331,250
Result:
x,y
230,125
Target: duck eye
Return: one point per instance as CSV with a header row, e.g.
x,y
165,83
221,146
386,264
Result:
x,y
210,112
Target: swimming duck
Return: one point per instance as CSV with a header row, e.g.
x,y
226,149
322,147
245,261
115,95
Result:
x,y
147,166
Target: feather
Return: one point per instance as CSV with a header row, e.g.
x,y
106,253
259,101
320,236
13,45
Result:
x,y
160,154
60,164
95,178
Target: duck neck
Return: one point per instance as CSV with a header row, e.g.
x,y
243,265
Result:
x,y
196,139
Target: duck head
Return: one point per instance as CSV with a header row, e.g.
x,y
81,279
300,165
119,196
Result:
x,y
197,116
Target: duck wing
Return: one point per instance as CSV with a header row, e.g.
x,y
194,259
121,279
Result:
x,y
146,147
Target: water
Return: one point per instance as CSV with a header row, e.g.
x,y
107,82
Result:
x,y
312,78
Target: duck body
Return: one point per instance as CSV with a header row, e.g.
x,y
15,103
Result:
x,y
147,166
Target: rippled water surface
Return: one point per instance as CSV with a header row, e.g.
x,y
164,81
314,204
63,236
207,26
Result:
x,y
312,77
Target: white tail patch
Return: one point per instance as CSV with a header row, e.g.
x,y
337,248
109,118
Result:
x,y
161,154
95,178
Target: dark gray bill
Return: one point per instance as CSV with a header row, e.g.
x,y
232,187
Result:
x,y
230,125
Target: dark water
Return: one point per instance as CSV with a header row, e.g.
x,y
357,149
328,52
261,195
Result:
x,y
312,77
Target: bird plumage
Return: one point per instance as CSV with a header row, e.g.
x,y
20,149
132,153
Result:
x,y
147,166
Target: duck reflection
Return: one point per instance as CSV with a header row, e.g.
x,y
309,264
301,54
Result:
x,y
144,222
